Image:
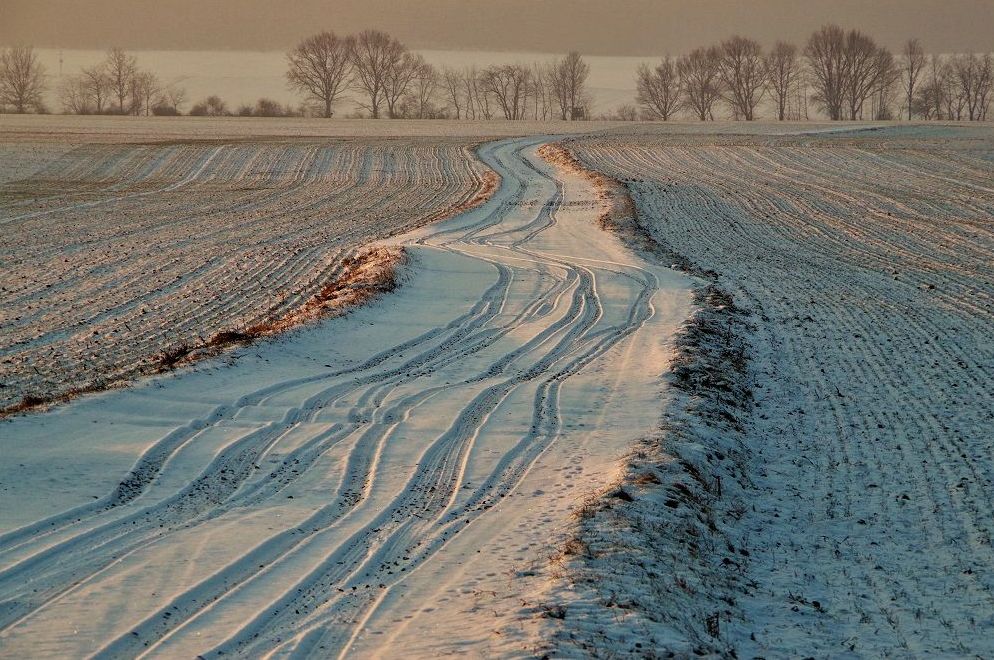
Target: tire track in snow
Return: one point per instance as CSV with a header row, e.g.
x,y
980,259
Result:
x,y
538,324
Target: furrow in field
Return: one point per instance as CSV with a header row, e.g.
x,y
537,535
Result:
x,y
866,263
184,241
306,498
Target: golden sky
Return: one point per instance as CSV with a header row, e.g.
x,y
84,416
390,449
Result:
x,y
603,27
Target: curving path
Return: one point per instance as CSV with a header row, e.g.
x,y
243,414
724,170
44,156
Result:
x,y
383,483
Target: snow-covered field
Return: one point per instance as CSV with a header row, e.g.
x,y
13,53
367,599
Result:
x,y
116,253
823,487
387,483
47,129
753,419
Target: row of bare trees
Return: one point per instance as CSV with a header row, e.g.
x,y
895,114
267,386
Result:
x,y
846,74
736,73
847,69
391,80
539,91
959,87
118,86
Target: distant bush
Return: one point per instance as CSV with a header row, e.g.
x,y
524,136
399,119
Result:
x,y
163,110
212,106
265,107
269,108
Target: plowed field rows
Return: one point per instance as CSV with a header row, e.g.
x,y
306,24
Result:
x,y
867,260
114,253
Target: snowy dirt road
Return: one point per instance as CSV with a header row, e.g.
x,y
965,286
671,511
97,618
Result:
x,y
382,483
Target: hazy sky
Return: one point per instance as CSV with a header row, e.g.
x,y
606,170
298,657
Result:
x,y
606,27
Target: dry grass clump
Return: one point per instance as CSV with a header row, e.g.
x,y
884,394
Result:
x,y
362,276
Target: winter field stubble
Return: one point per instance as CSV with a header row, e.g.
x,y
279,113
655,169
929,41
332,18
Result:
x,y
821,482
120,259
383,483
809,458
132,243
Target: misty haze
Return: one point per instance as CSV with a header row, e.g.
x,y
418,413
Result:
x,y
653,328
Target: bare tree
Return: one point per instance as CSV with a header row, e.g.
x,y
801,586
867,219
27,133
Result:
x,y
469,75
782,74
74,97
320,67
983,96
742,75
375,56
480,95
887,74
120,68
168,101
700,80
826,55
567,81
658,89
174,97
98,86
863,65
912,63
509,84
928,102
453,90
145,89
423,87
540,92
398,79
974,76
952,92
22,79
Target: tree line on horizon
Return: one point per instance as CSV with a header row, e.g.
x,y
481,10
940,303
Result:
x,y
843,74
846,75
392,81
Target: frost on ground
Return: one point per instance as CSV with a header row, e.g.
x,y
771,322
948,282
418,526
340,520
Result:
x,y
378,484
821,480
110,128
121,259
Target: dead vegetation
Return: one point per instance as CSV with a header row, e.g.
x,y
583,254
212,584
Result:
x,y
661,545
187,242
619,208
362,276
